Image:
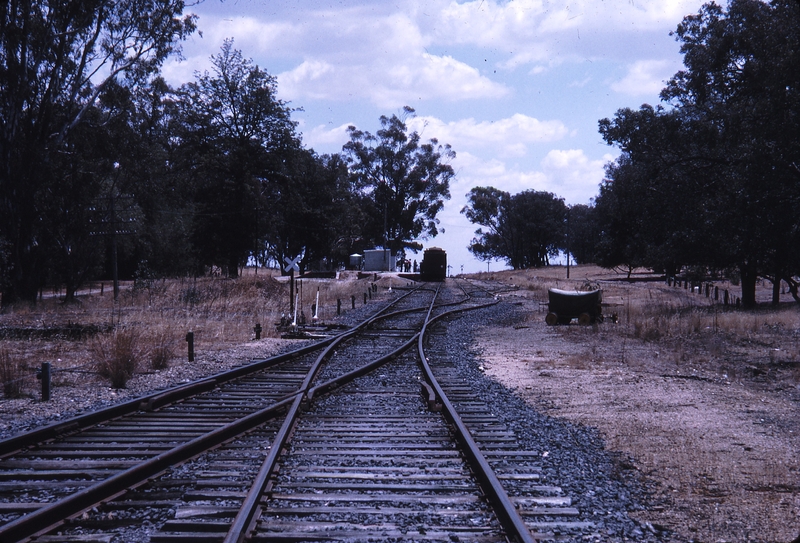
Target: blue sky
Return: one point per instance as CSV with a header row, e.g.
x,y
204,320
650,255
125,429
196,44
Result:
x,y
516,87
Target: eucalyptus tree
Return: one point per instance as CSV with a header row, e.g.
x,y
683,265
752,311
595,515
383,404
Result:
x,y
742,81
57,58
655,203
582,233
712,178
402,180
524,229
236,140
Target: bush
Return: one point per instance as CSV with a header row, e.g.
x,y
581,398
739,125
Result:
x,y
11,375
162,350
116,356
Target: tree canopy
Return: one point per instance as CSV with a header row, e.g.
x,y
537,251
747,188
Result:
x,y
61,65
402,182
524,229
104,166
714,175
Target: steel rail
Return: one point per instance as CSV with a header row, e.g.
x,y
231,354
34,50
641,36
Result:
x,y
148,402
154,400
51,515
248,513
487,478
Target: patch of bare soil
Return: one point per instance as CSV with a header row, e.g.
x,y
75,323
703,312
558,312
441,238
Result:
x,y
704,401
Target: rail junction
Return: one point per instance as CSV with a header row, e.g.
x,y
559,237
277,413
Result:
x,y
363,436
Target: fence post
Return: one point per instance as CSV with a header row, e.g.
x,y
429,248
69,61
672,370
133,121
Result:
x,y
45,381
353,300
365,298
338,306
190,341
257,330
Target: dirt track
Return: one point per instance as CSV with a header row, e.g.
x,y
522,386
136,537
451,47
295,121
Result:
x,y
710,423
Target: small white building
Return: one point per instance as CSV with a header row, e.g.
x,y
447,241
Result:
x,y
379,260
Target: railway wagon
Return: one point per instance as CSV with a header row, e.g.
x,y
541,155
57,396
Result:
x,y
434,265
565,305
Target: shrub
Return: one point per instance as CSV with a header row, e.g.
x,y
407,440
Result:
x,y
116,356
162,350
11,375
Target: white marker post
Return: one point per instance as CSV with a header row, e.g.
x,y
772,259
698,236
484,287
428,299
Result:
x,y
291,267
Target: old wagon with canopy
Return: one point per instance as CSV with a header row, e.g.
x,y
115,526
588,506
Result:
x,y
565,305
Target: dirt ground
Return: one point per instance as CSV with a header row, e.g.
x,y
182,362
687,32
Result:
x,y
706,409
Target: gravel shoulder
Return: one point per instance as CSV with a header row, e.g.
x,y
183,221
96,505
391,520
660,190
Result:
x,y
716,447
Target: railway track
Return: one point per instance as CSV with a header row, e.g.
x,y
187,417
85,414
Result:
x,y
329,442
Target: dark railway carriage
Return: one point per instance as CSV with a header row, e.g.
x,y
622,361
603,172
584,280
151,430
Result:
x,y
565,305
434,265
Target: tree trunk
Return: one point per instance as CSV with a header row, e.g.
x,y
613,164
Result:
x,y
233,268
776,289
69,295
749,277
793,288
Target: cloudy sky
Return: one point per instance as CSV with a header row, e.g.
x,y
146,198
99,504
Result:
x,y
516,87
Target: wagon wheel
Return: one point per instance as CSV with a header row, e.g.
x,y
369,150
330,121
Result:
x,y
584,318
551,319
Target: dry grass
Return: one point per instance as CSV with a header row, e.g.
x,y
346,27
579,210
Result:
x,y
163,348
12,374
158,314
117,356
703,397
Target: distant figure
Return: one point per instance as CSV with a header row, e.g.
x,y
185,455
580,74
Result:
x,y
407,265
415,266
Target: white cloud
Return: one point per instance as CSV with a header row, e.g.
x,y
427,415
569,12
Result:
x,y
325,137
505,137
545,34
347,54
390,84
646,77
572,175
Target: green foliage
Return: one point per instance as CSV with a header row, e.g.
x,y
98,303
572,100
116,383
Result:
x,y
402,182
237,137
713,181
50,88
525,229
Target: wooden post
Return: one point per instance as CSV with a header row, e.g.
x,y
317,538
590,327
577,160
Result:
x,y
190,341
45,381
